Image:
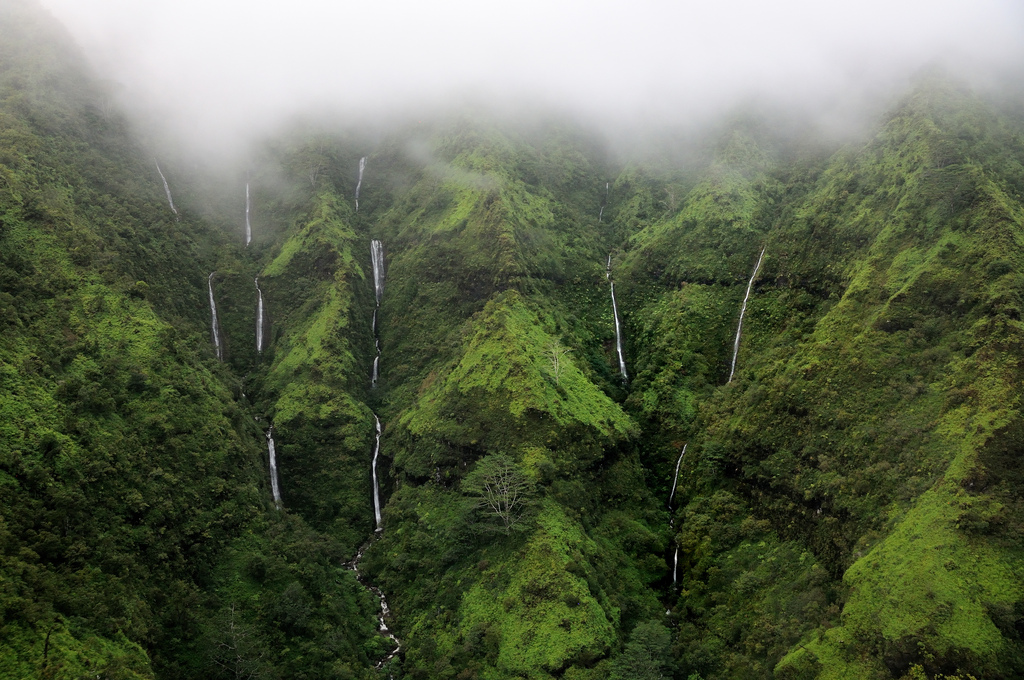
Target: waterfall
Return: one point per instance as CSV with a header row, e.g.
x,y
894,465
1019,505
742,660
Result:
x,y
216,325
167,188
618,327
600,215
259,318
248,227
743,310
675,565
359,183
675,479
377,261
377,256
385,610
274,488
618,337
373,470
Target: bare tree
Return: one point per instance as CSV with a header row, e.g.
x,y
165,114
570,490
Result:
x,y
558,354
236,652
504,489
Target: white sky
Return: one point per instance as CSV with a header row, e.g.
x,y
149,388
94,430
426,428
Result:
x,y
225,66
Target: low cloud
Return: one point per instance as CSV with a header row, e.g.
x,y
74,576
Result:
x,y
218,71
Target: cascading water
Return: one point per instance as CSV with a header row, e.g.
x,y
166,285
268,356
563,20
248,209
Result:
x,y
376,359
675,478
274,488
618,337
248,226
373,471
675,566
213,314
377,255
167,188
359,183
377,262
385,610
618,326
743,310
259,318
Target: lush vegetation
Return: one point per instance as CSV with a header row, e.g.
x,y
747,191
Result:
x,y
848,505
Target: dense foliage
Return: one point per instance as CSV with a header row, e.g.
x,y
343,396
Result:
x,y
847,505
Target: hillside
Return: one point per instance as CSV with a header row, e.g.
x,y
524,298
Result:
x,y
568,487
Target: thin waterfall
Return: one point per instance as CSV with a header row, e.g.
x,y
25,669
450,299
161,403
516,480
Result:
x,y
618,337
373,470
376,359
675,478
167,188
743,310
618,326
216,325
600,215
377,256
377,261
675,565
385,610
259,318
359,183
248,226
274,488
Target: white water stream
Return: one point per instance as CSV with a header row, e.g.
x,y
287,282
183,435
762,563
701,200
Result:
x,y
377,262
359,183
373,470
274,488
259,318
675,478
167,188
385,610
248,226
743,310
618,326
213,314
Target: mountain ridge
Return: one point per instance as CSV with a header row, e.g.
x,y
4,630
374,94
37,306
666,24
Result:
x,y
847,504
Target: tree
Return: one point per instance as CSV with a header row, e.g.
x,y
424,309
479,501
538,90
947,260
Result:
x,y
237,652
504,489
558,354
646,656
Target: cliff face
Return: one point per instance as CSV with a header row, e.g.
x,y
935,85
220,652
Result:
x,y
847,504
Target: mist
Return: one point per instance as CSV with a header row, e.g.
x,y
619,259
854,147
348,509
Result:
x,y
216,73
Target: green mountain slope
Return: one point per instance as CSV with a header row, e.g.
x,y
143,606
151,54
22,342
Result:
x,y
847,505
136,532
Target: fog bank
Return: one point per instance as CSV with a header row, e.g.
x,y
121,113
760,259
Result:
x,y
218,70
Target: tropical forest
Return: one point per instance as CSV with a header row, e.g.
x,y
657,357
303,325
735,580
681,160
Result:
x,y
482,396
